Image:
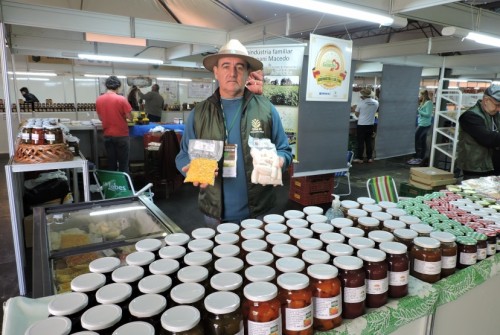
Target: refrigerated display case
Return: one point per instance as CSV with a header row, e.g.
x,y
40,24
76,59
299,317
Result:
x,y
68,237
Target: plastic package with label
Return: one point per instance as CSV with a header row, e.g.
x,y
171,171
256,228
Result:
x,y
204,155
266,162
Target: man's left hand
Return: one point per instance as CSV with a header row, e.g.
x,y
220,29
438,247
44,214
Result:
x,y
255,82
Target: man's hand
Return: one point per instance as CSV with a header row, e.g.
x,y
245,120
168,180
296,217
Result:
x,y
255,82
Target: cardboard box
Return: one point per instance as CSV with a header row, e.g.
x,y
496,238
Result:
x,y
431,173
432,183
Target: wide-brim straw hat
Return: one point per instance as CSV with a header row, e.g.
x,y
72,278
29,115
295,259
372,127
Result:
x,y
366,92
233,48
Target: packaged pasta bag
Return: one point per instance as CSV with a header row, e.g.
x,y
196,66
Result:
x,y
204,156
266,162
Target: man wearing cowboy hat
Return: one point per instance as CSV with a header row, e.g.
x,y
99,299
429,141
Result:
x,y
233,114
365,111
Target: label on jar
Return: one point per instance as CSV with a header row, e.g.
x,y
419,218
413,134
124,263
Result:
x,y
354,295
327,308
297,319
448,262
264,328
427,268
50,137
35,136
492,249
468,258
398,278
378,286
481,254
25,136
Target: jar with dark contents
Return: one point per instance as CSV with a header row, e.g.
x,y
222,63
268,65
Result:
x,y
156,284
295,297
405,236
359,243
226,250
300,233
148,308
188,294
339,249
252,245
88,283
448,252
252,223
261,309
37,135
339,223
315,257
327,297
227,282
285,250
293,214
309,244
228,228
50,135
203,233
129,274
352,278
227,238
355,214
103,319
259,273
252,234
396,212
350,232
179,239
201,244
377,282
368,224
200,258
297,223
119,294
26,134
194,274
316,218
260,258
328,238
134,328
167,267
346,205
398,268
273,219
70,305
276,239
379,236
392,225
467,251
229,264
482,245
58,325
409,220
181,320
224,315
106,266
149,244
422,229
491,248
425,258
320,228
290,265
142,259
175,252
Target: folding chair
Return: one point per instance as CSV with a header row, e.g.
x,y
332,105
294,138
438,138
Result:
x,y
116,184
382,188
344,173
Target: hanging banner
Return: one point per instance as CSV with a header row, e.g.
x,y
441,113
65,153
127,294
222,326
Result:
x,y
328,69
169,90
282,69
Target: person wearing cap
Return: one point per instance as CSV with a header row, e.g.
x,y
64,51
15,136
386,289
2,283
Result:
x,y
365,112
424,124
153,103
233,114
478,153
114,111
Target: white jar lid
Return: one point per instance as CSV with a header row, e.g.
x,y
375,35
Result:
x,y
172,252
387,204
372,208
101,317
297,223
316,218
322,271
321,227
200,244
340,223
252,233
409,219
371,255
405,233
299,233
203,233
309,244
252,223
443,236
293,281
134,328
259,258
226,250
278,238
293,214
57,325
366,201
290,264
328,238
381,216
397,212
311,210
339,249
426,242
380,236
254,245
155,284
164,266
104,264
147,305
285,250
68,303
127,274
260,291
222,302
140,258
393,248
228,228
198,258
394,224
315,256
226,238
351,232
260,273
187,293
368,221
88,282
421,228
348,204
177,239
274,218
192,274
226,281
271,228
180,318
148,244
229,264
356,212
114,293
361,243
348,262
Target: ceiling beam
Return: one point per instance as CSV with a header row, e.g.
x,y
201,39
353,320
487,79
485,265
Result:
x,y
401,6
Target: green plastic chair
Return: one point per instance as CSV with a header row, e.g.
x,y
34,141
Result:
x,y
382,188
116,184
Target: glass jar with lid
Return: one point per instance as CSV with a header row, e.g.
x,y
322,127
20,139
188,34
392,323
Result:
x,y
252,234
320,228
316,218
57,325
203,233
311,210
180,239
273,228
157,284
368,224
356,213
285,250
105,265
134,328
181,320
359,243
200,258
252,223
491,234
293,214
371,208
387,204
309,244
88,283
379,236
467,251
409,219
175,252
396,212
200,244
405,236
261,309
297,223
339,249
273,219
229,264
142,259
149,244
118,294
295,297
377,281
339,223
167,267
188,294
248,246
350,232
352,278
276,239
398,267
50,134
392,225
482,245
130,274
70,305
260,258
290,264
381,216
259,273
366,201
37,135
228,228
103,319
346,205
315,257
223,313
422,229
26,134
448,252
227,282
300,233
227,238
226,250
194,274
148,308
327,297
425,259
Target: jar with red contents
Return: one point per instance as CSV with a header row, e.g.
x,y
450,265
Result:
x,y
481,244
261,309
352,278
377,282
448,252
398,268
425,257
37,135
491,242
467,251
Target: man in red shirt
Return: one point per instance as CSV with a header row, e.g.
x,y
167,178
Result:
x,y
114,111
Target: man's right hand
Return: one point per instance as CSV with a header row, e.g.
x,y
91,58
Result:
x,y
185,169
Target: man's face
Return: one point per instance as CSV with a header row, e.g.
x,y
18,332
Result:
x,y
232,74
491,106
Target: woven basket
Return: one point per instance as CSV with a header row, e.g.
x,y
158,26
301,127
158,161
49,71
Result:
x,y
28,153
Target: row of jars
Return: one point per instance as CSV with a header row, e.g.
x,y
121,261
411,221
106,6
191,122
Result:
x,y
41,132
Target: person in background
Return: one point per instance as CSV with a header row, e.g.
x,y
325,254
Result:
x,y
132,98
478,153
233,114
365,112
423,125
153,103
29,97
114,111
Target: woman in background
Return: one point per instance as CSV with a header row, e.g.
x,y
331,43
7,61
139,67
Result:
x,y
132,98
424,124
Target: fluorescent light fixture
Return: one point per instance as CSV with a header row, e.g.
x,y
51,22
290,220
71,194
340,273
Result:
x,y
91,37
431,86
174,79
471,35
31,79
40,74
89,75
116,210
346,10
118,59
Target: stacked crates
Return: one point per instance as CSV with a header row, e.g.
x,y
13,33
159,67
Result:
x,y
312,190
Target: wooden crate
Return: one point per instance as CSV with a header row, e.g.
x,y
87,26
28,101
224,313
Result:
x,y
313,184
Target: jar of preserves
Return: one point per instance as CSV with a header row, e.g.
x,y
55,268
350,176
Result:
x,y
26,134
315,257
228,228
425,259
200,244
248,246
328,238
273,228
355,213
200,258
50,134
88,283
297,223
381,216
277,238
316,218
227,282
339,249
166,267
371,208
311,210
260,273
285,250
194,274
157,284
149,244
148,308
252,234
203,233
223,314
491,234
181,239
422,229
387,204
448,252
377,281
467,251
295,297
252,223
350,232
482,245
352,278
379,236
129,274
273,219
261,309
368,224
293,214
118,294
290,264
70,305
366,201
409,219
37,135
405,236
142,259
105,265
339,223
398,268
392,225
181,320
57,325
320,228
227,238
188,294
396,212
134,328
345,205
229,264
300,233
359,243
226,250
260,258
103,319
309,244
327,297
175,252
